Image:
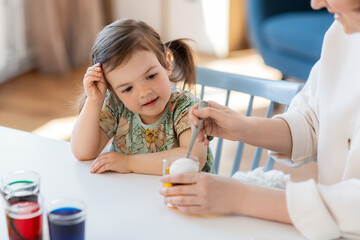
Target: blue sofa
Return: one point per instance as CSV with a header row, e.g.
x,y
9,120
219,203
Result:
x,y
288,34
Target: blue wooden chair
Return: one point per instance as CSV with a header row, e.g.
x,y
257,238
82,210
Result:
x,y
278,92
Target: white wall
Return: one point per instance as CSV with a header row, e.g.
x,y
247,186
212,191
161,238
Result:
x,y
15,51
149,11
205,21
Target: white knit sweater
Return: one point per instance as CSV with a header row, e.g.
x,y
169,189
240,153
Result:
x,y
324,119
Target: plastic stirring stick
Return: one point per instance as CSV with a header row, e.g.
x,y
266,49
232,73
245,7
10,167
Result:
x,y
195,133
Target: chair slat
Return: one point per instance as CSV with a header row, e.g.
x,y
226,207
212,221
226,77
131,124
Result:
x,y
238,157
240,146
280,92
218,155
256,159
220,143
269,164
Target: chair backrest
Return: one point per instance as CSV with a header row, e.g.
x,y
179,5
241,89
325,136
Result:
x,y
277,92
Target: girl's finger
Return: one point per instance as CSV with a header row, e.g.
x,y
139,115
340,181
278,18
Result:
x,y
102,79
103,168
95,68
97,164
93,73
91,79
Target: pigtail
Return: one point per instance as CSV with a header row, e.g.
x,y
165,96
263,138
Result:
x,y
184,63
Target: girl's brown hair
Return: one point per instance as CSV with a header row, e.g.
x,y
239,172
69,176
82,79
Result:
x,y
116,43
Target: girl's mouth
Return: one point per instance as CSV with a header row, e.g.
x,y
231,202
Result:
x,y
151,103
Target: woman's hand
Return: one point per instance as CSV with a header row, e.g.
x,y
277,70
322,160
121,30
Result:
x,y
204,194
219,121
111,161
212,194
94,83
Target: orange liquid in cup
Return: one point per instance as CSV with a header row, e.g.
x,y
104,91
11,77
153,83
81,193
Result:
x,y
167,172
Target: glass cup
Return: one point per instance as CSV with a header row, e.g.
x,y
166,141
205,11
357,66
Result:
x,y
66,218
24,216
177,164
20,183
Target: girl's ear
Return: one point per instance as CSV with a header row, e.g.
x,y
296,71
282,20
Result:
x,y
168,63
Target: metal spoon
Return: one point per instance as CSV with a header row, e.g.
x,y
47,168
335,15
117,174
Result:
x,y
195,132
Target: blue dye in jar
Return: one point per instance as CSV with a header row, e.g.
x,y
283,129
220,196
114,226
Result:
x,y
67,223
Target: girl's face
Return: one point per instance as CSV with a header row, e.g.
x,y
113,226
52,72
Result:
x,y
143,85
347,12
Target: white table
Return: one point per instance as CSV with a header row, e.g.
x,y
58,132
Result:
x,y
120,206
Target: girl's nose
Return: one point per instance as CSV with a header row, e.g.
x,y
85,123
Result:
x,y
144,90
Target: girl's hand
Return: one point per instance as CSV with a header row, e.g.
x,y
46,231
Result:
x,y
94,83
111,161
204,193
219,121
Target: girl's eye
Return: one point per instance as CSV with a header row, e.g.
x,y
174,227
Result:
x,y
152,76
128,89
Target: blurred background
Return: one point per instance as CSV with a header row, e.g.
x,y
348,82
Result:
x,y
45,47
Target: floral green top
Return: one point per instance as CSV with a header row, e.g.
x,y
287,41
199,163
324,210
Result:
x,y
131,136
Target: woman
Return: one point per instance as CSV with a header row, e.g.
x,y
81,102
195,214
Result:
x,y
322,124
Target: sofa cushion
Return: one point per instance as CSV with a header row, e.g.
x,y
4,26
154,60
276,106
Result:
x,y
298,33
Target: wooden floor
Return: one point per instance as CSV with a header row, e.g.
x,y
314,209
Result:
x,y
47,105
32,100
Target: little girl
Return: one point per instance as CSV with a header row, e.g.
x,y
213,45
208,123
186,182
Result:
x,y
129,99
